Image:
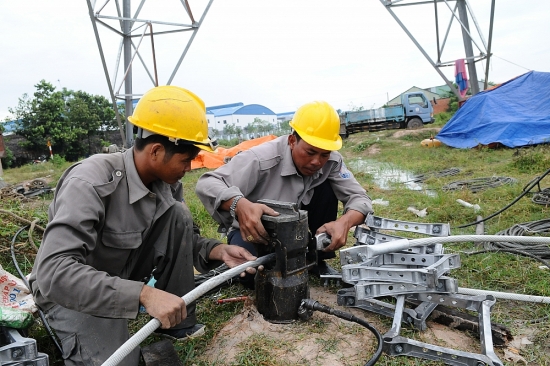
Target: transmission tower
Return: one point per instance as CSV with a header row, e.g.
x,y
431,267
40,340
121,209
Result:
x,y
139,27
460,12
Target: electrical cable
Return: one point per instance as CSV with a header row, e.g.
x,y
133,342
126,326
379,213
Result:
x,y
525,191
317,306
203,277
24,279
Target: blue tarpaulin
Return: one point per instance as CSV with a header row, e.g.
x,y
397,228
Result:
x,y
517,113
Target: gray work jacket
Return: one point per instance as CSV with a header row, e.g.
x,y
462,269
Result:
x,y
101,213
267,171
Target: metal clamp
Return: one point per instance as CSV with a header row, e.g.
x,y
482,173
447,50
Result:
x,y
20,350
322,241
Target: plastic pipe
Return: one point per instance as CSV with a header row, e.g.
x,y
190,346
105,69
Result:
x,y
505,295
189,297
404,244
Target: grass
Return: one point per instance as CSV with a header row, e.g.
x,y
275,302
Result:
x,y
492,271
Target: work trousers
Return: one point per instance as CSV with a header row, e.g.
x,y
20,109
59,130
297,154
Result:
x,y
89,340
322,208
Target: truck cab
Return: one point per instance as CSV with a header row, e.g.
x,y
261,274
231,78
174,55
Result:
x,y
418,110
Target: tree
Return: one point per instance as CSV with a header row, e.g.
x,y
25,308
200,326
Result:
x,y
70,120
41,118
88,114
284,128
230,130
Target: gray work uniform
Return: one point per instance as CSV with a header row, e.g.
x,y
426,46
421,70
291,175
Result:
x,y
106,233
267,171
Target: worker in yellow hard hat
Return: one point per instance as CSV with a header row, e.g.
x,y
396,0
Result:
x,y
304,168
120,238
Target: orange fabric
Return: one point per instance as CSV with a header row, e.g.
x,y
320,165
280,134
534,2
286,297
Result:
x,y
213,160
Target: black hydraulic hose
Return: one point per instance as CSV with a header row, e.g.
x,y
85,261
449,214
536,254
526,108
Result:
x,y
40,312
525,191
317,306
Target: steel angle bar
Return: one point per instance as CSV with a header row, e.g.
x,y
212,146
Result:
x,y
40,360
360,255
424,276
420,260
368,290
432,229
467,302
401,346
370,237
414,317
396,345
485,333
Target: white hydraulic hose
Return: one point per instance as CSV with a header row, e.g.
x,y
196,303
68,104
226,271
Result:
x,y
404,244
189,297
505,295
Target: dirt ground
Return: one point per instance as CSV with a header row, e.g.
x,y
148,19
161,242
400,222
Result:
x,y
401,133
323,340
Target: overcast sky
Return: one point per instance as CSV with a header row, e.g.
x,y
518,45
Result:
x,y
278,53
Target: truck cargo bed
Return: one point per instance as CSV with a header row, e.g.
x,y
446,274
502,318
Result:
x,y
387,118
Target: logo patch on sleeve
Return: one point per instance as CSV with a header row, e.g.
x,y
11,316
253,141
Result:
x,y
344,172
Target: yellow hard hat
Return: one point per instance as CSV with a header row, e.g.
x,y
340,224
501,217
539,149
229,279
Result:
x,y
318,124
173,112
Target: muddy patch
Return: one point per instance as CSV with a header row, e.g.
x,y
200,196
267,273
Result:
x,y
322,340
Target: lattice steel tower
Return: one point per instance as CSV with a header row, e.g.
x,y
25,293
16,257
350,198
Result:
x,y
462,13
139,27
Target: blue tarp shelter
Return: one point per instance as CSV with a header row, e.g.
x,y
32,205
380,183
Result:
x,y
516,113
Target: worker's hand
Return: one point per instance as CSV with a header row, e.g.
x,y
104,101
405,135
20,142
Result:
x,y
338,230
250,216
168,308
338,233
233,255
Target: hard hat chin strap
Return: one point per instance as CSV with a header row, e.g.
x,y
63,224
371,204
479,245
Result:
x,y
139,133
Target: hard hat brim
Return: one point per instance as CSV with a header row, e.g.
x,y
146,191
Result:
x,y
319,142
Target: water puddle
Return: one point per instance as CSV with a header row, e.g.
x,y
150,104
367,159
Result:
x,y
386,175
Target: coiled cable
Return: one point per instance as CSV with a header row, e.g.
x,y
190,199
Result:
x,y
479,184
542,197
526,190
539,252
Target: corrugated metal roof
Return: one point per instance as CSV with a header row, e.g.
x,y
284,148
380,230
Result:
x,y
251,109
222,106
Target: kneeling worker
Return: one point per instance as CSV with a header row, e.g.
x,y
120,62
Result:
x,y
117,222
304,168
